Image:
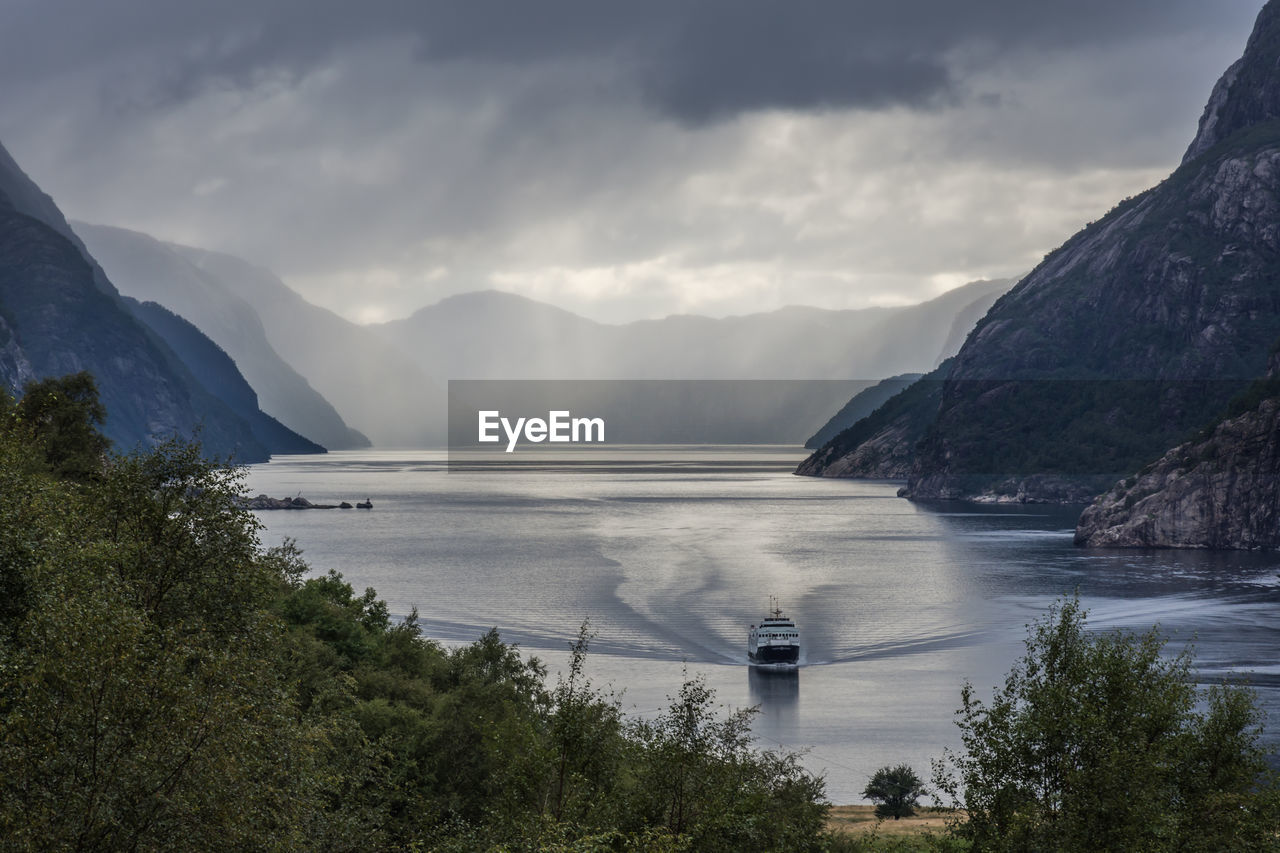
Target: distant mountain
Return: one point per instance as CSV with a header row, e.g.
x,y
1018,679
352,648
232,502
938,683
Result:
x,y
1137,331
215,370
376,388
494,335
151,271
387,380
60,314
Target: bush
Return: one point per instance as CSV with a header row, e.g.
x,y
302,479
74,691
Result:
x,y
1096,742
895,790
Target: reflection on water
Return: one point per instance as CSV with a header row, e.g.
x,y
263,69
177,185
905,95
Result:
x,y
773,688
673,552
776,693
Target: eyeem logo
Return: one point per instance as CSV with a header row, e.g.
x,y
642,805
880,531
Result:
x,y
559,427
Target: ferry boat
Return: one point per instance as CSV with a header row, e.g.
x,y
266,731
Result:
x,y
776,641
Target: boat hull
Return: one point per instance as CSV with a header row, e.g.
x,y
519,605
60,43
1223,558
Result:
x,y
775,656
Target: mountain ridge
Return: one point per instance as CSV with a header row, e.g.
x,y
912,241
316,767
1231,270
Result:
x,y
528,339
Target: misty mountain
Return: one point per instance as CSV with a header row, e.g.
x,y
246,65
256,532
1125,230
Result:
x,y
217,372
1133,334
376,388
60,314
151,271
494,335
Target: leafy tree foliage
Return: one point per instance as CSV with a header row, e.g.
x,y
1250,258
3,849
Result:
x,y
896,790
165,683
1100,742
140,698
63,415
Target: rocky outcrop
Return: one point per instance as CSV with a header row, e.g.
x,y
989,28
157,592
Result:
x,y
1222,491
886,455
1248,94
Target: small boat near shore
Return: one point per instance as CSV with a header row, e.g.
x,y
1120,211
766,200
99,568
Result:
x,y
775,642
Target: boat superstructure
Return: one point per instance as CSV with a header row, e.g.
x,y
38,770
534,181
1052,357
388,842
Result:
x,y
775,641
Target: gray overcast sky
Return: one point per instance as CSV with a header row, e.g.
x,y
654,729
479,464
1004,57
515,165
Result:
x,y
622,160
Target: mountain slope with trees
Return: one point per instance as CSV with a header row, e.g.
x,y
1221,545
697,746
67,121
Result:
x,y
1136,332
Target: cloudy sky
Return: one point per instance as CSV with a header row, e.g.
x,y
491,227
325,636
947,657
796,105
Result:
x,y
622,160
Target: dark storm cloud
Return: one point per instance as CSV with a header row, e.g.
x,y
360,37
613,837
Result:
x,y
620,159
693,61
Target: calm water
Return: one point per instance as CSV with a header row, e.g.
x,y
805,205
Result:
x,y
673,552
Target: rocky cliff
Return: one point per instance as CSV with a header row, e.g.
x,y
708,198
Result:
x,y
1221,490
1138,330
60,314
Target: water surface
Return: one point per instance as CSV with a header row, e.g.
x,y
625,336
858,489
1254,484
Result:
x,y
672,552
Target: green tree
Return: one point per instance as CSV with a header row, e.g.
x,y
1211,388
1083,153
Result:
x,y
1097,742
697,775
63,414
586,739
896,790
141,705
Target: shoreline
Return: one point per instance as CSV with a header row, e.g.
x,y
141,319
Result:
x,y
861,820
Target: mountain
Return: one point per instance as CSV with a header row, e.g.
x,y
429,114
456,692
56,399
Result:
x,y
1137,331
151,271
1220,490
216,371
494,335
881,445
61,314
373,386
859,407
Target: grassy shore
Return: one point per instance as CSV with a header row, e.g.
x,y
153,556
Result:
x,y
862,820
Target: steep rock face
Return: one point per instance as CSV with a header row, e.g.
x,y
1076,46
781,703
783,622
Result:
x,y
1135,332
60,314
884,447
150,271
1249,92
884,455
1219,492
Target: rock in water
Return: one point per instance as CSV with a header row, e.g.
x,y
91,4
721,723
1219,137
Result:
x,y
1219,492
